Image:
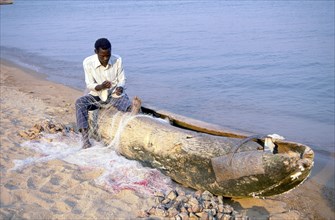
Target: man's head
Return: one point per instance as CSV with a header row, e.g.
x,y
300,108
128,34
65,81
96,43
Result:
x,y
103,49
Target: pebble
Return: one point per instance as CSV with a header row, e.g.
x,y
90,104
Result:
x,y
49,126
172,195
198,205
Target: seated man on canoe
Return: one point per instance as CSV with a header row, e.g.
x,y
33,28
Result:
x,y
105,79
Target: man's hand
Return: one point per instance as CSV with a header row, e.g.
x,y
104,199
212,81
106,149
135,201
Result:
x,y
104,85
119,91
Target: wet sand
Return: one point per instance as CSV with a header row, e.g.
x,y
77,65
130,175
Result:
x,y
60,190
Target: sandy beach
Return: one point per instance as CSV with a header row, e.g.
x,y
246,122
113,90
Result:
x,y
56,189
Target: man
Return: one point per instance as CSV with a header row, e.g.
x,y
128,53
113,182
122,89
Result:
x,y
105,79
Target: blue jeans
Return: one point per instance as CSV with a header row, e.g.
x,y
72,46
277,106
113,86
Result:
x,y
89,103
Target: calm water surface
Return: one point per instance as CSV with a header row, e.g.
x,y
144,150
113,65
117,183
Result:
x,y
264,66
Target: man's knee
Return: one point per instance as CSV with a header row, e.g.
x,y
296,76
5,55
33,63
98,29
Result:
x,y
82,101
79,101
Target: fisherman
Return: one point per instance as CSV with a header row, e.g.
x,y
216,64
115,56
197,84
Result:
x,y
105,79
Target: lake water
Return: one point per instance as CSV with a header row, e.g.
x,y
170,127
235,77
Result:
x,y
259,66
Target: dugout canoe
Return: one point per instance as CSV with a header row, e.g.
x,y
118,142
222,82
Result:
x,y
203,156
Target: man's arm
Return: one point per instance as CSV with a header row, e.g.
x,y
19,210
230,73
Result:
x,y
120,75
91,84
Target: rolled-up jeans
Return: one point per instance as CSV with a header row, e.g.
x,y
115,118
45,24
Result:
x,y
89,103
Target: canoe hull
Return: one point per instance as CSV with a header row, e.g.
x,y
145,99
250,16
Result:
x,y
203,161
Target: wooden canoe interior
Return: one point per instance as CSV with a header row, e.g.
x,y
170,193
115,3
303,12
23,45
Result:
x,y
203,127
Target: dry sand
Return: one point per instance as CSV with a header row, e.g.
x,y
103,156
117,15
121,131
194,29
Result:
x,y
60,190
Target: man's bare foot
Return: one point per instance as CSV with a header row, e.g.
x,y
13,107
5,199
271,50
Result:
x,y
136,105
85,138
86,144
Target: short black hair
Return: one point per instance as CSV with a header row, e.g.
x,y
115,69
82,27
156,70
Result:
x,y
102,43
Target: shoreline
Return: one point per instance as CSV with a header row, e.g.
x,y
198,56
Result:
x,y
46,99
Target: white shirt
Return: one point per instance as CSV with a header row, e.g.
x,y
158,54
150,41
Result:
x,y
95,74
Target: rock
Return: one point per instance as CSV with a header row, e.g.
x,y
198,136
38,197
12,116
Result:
x,y
193,201
225,217
184,216
37,128
172,212
172,195
199,205
180,192
220,199
152,211
206,196
159,199
193,217
194,205
227,209
160,212
204,216
196,208
159,194
166,201
214,212
182,199
29,134
238,217
199,214
210,216
221,208
142,214
44,126
219,216
177,205
23,134
183,210
198,194
207,204
210,212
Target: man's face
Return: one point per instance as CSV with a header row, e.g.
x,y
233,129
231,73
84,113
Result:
x,y
103,56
